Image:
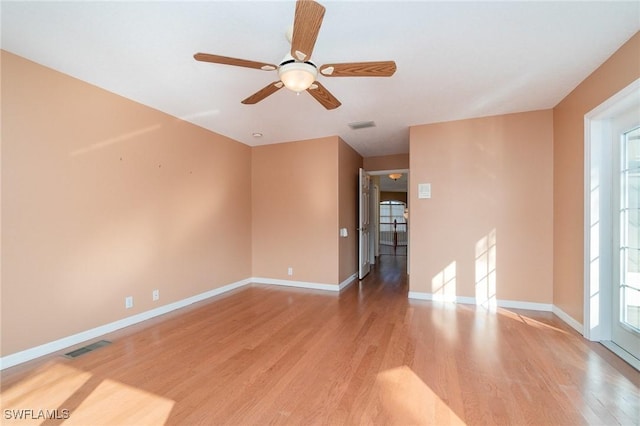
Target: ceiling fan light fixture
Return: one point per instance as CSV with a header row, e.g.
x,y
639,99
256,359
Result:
x,y
297,76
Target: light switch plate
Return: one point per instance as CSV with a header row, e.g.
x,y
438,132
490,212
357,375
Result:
x,y
424,190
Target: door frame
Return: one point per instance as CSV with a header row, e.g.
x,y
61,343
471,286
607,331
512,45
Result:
x,y
598,219
408,173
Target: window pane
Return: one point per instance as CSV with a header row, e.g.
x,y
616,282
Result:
x,y
390,232
631,307
630,230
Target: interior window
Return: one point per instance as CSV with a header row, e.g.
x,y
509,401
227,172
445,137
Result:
x,y
393,225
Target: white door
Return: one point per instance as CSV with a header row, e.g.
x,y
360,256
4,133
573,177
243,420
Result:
x,y
374,225
364,224
625,331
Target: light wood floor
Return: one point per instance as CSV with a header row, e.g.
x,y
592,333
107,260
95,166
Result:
x,y
274,355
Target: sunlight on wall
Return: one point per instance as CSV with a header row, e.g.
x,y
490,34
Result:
x,y
107,142
53,391
486,291
407,400
443,285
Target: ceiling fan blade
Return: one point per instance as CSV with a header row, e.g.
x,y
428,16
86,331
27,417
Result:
x,y
323,96
225,60
263,93
306,26
359,69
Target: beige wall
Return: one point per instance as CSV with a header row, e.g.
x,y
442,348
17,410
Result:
x,y
104,198
295,210
349,163
491,180
387,162
617,72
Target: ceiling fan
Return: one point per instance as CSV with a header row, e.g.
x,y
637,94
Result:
x,y
296,71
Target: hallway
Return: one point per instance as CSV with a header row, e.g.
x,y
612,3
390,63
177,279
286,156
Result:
x,y
389,273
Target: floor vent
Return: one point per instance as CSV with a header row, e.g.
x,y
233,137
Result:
x,y
85,349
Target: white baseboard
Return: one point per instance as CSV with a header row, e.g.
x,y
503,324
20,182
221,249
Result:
x,y
69,341
576,325
420,296
531,306
299,284
348,281
513,304
65,342
57,345
440,298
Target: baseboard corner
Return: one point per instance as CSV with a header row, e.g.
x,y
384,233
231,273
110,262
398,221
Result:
x,y
568,319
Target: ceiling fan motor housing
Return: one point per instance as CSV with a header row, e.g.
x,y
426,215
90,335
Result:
x,y
297,75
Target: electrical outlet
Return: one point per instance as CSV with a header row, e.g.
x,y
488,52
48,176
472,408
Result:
x,y
128,302
155,295
290,271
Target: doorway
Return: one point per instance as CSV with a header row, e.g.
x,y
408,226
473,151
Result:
x,y
612,224
392,227
388,219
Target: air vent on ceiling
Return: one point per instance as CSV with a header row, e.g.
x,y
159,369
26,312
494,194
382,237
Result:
x,y
362,124
85,349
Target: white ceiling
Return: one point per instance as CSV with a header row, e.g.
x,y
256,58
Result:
x,y
455,59
389,185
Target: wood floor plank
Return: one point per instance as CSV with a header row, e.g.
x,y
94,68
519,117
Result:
x,y
285,356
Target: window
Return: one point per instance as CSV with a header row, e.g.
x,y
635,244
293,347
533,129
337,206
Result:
x,y
393,225
630,230
390,211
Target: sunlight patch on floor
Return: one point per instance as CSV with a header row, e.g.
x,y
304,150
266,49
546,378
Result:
x,y
528,321
407,400
114,403
49,394
47,389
